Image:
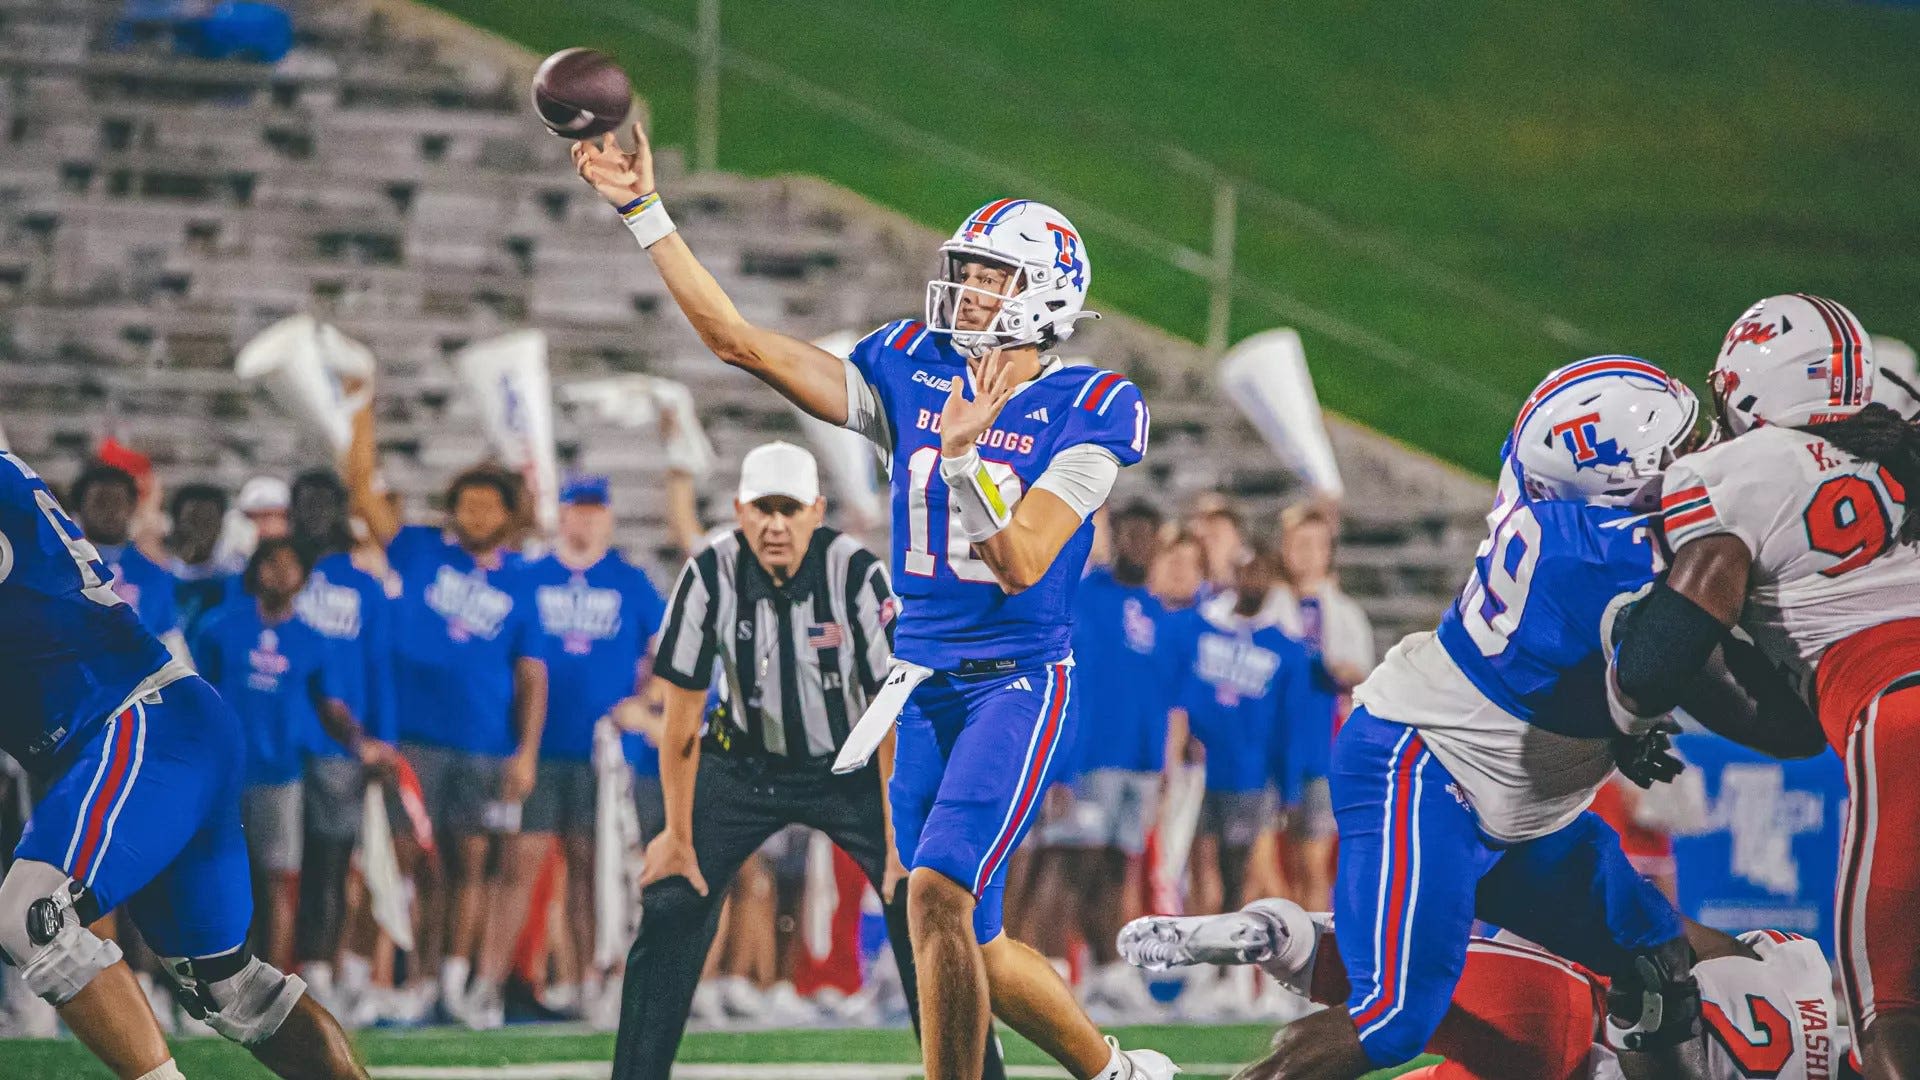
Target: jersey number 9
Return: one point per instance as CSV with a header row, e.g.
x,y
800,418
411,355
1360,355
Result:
x,y
1848,520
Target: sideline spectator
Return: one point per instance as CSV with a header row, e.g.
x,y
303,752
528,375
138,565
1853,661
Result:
x,y
197,512
104,498
599,613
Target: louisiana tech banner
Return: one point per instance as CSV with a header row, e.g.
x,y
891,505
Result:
x,y
1763,850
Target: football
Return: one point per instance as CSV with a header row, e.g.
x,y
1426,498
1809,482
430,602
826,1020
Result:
x,y
581,93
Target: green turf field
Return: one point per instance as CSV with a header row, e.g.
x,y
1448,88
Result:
x,y
544,1055
1473,192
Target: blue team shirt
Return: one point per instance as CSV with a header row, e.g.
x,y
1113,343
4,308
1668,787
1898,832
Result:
x,y
1242,687
71,650
1122,675
458,628
350,609
596,624
273,677
144,584
952,609
1527,632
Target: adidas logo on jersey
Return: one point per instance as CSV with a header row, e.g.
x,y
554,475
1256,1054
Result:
x,y
1039,414
1021,683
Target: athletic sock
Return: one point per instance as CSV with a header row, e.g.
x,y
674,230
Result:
x,y
167,1071
356,972
453,977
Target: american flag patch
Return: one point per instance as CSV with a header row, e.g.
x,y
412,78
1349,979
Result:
x,y
825,635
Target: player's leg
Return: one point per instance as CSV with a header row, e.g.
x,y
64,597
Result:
x,y
1879,889
113,822
988,798
1575,893
1403,897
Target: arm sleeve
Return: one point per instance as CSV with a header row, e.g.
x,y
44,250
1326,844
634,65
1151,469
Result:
x,y
867,411
1082,475
686,653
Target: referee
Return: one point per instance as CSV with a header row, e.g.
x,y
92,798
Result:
x,y
794,624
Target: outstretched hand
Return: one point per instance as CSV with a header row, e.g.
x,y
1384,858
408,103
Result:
x,y
962,419
619,176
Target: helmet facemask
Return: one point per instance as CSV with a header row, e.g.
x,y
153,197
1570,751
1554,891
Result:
x,y
1012,323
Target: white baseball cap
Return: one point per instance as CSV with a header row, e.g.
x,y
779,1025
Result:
x,y
263,494
779,468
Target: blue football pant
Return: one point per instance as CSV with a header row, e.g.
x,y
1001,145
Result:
x,y
1415,870
975,757
148,814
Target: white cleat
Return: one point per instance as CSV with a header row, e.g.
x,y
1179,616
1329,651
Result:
x,y
1277,934
1137,1064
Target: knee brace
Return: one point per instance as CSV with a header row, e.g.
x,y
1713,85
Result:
x,y
1657,1003
43,930
239,995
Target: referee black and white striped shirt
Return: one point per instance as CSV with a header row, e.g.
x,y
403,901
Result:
x,y
795,663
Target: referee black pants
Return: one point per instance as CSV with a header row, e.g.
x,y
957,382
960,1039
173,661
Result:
x,y
738,803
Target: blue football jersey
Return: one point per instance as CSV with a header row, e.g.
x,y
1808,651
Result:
x,y
350,608
1527,630
596,624
71,651
952,608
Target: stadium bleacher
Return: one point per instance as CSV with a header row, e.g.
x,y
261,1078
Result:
x,y
156,212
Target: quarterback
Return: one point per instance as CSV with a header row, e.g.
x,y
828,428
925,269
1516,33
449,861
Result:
x,y
1000,455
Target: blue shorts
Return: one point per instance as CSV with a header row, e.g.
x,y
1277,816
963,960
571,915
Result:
x,y
148,815
975,757
1415,870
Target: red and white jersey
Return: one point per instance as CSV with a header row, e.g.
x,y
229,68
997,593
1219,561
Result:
x,y
1823,529
1771,1017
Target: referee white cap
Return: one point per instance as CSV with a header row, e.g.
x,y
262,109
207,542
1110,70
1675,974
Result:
x,y
779,468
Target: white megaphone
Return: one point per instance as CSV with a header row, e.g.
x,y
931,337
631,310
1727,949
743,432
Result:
x,y
301,361
643,401
1266,377
855,466
508,379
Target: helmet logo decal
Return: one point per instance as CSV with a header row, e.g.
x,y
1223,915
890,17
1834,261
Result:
x,y
1581,435
1066,254
1755,331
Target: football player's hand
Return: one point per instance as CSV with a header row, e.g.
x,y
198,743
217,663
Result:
x,y
670,855
962,419
1648,759
516,778
620,177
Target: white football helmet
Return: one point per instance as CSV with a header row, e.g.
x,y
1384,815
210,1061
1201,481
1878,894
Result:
x,y
1793,360
1601,430
1049,286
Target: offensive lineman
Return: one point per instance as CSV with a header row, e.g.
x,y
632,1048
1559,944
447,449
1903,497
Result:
x,y
1798,529
143,765
1520,1011
991,533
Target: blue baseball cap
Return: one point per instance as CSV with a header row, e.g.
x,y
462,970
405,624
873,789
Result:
x,y
587,488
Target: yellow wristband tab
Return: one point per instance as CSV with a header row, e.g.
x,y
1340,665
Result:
x,y
974,496
647,219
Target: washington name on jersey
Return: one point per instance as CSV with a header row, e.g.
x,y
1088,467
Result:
x,y
1509,691
1822,526
953,610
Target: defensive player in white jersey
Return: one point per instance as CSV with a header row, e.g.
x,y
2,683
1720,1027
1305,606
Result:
x,y
991,524
1520,1011
1798,530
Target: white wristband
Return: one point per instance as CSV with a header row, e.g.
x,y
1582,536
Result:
x,y
974,496
647,219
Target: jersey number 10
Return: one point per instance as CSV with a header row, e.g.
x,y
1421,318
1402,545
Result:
x,y
920,560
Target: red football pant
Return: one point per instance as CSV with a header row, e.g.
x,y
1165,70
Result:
x,y
1879,888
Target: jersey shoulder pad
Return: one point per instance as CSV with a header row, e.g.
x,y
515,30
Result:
x,y
1106,410
1738,487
